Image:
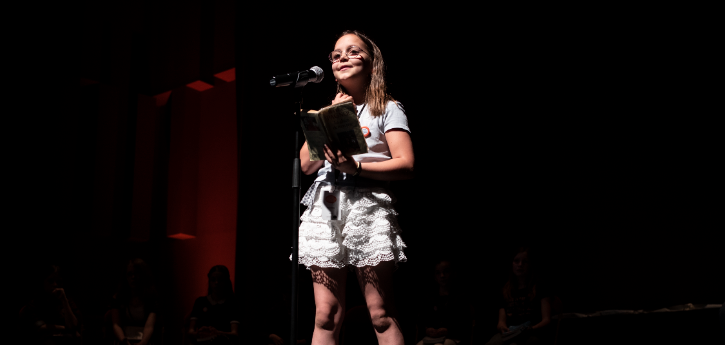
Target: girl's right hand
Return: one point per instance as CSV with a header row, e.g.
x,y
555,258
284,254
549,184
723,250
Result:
x,y
341,97
502,327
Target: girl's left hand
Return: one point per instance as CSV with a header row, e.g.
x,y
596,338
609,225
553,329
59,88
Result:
x,y
339,161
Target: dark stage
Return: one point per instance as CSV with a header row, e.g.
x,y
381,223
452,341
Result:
x,y
148,130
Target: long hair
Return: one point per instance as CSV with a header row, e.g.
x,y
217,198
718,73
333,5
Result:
x,y
225,290
376,94
145,287
529,280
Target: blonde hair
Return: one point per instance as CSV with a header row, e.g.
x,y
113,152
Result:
x,y
376,95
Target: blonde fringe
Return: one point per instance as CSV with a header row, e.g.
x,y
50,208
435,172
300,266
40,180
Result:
x,y
376,94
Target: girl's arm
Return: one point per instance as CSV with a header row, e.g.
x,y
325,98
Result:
x,y
545,313
117,330
502,320
192,328
71,321
308,168
148,329
400,167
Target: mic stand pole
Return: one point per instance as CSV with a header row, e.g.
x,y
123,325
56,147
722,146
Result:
x,y
297,94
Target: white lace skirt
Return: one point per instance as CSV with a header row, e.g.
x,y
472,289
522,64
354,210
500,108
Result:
x,y
367,233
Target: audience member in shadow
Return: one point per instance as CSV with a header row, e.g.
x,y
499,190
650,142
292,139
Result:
x,y
215,317
446,315
525,308
134,309
51,317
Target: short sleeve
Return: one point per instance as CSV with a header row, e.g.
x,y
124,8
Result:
x,y
395,118
197,310
115,303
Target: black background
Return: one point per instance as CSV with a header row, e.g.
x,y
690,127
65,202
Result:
x,y
569,131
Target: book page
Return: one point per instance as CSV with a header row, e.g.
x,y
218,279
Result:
x,y
314,134
343,128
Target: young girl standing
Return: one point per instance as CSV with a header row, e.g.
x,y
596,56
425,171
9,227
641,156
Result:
x,y
367,235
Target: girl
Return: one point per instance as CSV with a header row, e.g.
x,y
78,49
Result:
x,y
215,318
445,315
51,318
367,236
134,308
524,305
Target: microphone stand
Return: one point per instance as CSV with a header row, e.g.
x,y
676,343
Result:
x,y
295,89
296,173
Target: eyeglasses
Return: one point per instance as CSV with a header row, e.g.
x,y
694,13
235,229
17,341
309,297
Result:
x,y
353,52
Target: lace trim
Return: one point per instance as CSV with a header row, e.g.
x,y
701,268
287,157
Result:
x,y
367,234
309,198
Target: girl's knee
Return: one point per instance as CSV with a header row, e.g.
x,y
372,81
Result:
x,y
325,317
381,319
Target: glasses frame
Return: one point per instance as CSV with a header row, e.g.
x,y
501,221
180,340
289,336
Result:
x,y
346,52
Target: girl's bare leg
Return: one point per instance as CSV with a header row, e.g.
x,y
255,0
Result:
x,y
329,288
376,283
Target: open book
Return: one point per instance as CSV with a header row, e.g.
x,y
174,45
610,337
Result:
x,y
337,126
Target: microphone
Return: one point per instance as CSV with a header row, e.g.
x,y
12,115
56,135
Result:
x,y
299,79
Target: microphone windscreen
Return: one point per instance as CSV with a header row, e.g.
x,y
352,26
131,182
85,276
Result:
x,y
319,73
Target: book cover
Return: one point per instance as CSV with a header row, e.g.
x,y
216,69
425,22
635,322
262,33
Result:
x,y
337,126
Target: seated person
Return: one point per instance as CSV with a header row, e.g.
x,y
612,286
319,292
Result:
x,y
524,307
214,318
134,308
446,315
51,317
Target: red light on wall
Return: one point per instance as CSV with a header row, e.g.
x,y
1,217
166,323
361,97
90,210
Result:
x,y
199,86
181,236
162,98
228,75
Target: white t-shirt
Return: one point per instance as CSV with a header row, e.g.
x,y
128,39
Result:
x,y
378,150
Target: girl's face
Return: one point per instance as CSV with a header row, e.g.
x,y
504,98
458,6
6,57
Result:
x,y
215,281
443,273
521,264
349,71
